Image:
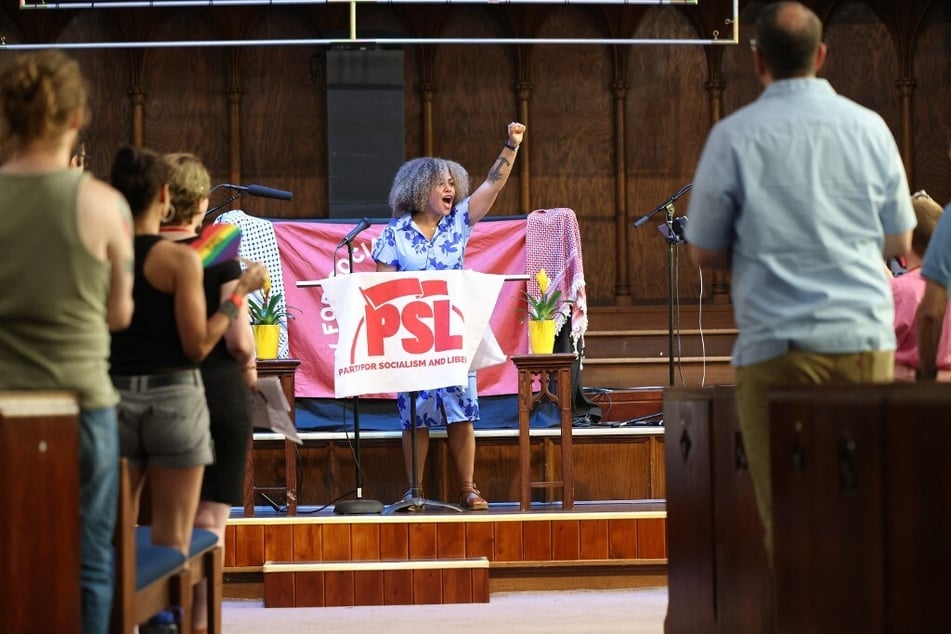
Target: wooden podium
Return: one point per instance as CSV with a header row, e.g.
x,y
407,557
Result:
x,y
285,370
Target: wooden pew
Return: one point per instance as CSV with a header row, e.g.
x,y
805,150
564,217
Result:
x,y
205,560
39,524
149,578
860,486
718,579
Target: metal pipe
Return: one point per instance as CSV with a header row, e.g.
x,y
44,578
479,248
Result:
x,y
352,43
151,4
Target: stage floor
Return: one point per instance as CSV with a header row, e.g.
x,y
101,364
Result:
x,y
581,508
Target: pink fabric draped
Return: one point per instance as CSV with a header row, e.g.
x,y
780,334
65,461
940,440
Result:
x,y
553,243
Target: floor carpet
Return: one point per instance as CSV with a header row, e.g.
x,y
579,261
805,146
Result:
x,y
639,611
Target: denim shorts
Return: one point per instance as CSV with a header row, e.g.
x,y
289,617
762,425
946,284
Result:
x,y
165,426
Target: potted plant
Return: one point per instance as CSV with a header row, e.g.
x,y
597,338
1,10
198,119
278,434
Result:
x,y
267,315
542,309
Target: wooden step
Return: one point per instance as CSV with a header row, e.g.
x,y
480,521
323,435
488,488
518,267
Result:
x,y
650,344
629,347
657,317
634,372
382,582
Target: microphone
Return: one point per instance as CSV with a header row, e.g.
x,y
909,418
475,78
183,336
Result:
x,y
664,204
261,191
348,239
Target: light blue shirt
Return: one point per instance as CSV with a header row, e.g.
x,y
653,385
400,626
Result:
x,y
403,245
936,265
802,186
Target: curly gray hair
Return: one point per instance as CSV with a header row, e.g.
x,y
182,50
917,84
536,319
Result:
x,y
415,180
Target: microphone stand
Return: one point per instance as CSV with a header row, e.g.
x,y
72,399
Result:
x,y
416,499
673,238
361,505
234,196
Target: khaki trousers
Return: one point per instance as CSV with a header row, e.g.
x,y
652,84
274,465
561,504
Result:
x,y
796,367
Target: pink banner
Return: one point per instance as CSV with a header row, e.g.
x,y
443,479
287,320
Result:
x,y
308,253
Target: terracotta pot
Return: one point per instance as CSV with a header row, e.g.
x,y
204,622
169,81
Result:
x,y
266,338
541,336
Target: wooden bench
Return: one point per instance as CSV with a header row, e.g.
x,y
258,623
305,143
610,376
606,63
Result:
x,y
149,578
204,562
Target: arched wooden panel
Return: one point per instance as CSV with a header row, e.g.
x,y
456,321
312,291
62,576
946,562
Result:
x,y
573,141
668,119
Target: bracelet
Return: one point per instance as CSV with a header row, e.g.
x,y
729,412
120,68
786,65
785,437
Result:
x,y
514,148
237,300
229,309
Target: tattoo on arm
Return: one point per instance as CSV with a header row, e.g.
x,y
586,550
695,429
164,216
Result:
x,y
495,174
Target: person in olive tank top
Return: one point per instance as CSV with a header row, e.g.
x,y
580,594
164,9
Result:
x,y
68,237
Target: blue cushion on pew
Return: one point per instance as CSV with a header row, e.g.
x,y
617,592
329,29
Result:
x,y
154,562
202,539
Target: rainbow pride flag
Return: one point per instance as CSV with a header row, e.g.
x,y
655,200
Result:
x,y
217,243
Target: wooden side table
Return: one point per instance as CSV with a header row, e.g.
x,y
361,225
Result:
x,y
548,368
285,370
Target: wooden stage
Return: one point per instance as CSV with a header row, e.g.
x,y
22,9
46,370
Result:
x,y
442,556
615,536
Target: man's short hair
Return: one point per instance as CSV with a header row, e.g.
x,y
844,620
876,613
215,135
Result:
x,y
788,35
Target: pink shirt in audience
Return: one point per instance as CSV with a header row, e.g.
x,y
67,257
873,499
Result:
x,y
908,290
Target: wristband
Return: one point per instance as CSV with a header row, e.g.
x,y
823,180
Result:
x,y
237,300
229,309
514,148
926,376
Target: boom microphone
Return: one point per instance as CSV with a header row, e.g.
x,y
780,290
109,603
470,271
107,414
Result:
x,y
348,239
261,191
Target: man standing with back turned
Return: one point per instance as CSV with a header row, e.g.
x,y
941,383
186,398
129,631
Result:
x,y
800,195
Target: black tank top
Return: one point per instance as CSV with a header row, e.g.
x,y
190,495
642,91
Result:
x,y
151,343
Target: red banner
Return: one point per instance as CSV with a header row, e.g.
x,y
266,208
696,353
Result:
x,y
308,253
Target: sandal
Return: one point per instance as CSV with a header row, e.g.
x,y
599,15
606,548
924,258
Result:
x,y
408,496
471,498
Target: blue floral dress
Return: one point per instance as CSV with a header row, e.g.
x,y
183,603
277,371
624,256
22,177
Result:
x,y
403,245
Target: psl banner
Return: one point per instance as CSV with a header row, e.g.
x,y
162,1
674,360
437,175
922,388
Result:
x,y
408,331
309,251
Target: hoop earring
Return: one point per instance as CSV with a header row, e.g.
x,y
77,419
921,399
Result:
x,y
169,214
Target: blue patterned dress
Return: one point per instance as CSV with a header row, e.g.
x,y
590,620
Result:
x,y
402,245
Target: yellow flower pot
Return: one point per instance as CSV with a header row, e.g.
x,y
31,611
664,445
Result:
x,y
266,338
541,336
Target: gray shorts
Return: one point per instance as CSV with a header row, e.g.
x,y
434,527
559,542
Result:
x,y
165,425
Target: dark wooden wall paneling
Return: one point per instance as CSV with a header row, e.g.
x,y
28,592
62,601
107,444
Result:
x,y
613,130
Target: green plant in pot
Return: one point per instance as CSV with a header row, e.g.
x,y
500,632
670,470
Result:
x,y
267,317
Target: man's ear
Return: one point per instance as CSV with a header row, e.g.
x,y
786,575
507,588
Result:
x,y
759,67
820,56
